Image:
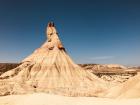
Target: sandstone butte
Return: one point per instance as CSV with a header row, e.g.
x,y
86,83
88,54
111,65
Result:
x,y
49,69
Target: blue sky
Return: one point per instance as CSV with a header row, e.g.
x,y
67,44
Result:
x,y
93,31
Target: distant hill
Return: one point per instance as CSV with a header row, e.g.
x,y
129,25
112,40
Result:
x,y
104,67
93,67
109,68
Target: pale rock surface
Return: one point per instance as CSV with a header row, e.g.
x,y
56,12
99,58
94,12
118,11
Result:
x,y
128,89
49,69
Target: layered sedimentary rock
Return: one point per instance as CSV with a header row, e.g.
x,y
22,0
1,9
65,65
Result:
x,y
50,69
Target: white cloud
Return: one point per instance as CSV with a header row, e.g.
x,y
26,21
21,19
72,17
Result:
x,y
102,57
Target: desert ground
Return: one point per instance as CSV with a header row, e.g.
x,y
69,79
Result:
x,y
49,99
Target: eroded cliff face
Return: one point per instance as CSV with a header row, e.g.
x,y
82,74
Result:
x,y
50,69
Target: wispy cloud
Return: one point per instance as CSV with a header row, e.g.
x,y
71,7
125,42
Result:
x,y
102,57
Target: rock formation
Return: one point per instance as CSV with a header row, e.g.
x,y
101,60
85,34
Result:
x,y
128,89
49,69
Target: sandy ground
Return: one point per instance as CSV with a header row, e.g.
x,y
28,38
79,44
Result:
x,y
49,99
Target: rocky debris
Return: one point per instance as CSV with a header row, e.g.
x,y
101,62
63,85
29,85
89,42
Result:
x,y
115,79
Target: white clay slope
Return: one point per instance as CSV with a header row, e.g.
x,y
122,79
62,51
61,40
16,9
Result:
x,y
49,69
129,89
